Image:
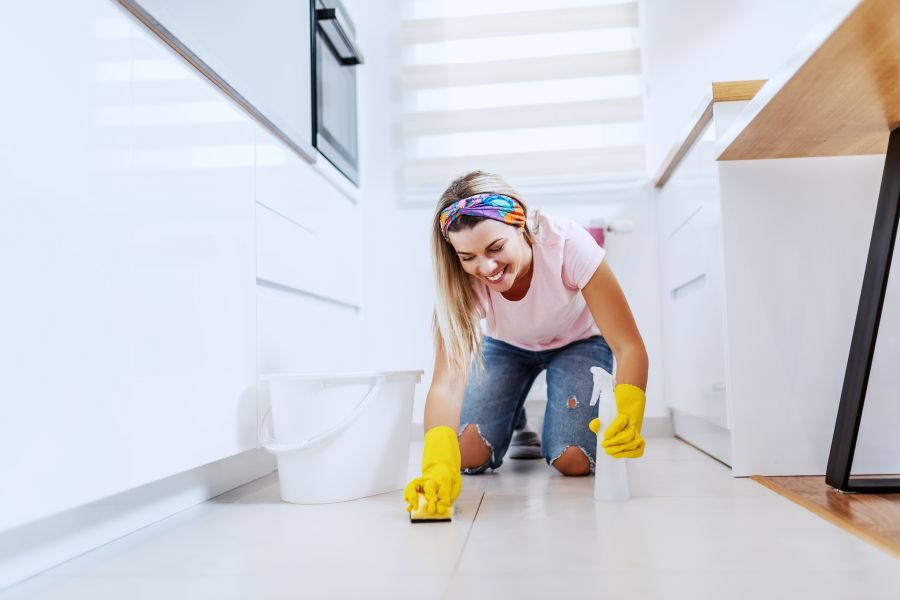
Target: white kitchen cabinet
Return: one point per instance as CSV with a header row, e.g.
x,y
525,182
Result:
x,y
126,248
693,302
159,248
259,57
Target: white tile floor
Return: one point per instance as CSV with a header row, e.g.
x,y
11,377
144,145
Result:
x,y
525,531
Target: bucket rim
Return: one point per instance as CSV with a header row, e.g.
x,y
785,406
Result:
x,y
340,375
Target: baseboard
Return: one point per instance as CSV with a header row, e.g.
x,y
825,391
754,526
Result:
x,y
27,550
657,427
708,437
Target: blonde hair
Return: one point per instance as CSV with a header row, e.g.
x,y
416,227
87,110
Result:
x,y
456,321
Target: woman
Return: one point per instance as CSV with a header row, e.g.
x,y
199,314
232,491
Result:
x,y
545,294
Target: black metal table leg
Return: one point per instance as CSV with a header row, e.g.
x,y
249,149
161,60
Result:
x,y
865,332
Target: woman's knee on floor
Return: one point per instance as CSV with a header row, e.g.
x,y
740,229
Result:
x,y
573,462
473,449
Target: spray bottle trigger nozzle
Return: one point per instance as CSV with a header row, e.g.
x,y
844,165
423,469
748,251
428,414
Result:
x,y
603,380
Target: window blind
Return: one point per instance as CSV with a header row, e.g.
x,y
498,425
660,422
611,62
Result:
x,y
549,95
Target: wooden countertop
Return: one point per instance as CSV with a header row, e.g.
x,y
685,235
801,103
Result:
x,y
723,91
839,95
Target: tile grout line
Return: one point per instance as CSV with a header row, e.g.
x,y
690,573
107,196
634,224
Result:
x,y
466,541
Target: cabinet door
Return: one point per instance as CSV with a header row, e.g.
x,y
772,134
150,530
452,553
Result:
x,y
694,336
260,56
128,328
320,262
691,186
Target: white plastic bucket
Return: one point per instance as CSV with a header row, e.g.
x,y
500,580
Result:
x,y
339,436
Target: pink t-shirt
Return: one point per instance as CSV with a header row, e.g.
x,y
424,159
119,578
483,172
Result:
x,y
553,312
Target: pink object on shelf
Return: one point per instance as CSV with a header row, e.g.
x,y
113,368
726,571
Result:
x,y
598,233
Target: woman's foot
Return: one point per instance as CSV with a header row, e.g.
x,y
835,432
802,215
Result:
x,y
525,443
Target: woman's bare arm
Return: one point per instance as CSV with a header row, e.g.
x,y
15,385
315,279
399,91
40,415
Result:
x,y
443,403
609,307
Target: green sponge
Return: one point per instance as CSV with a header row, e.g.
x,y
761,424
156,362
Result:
x,y
421,514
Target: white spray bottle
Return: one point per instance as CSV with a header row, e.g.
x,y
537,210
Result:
x,y
610,476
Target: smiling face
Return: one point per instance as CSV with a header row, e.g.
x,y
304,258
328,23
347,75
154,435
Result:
x,y
496,253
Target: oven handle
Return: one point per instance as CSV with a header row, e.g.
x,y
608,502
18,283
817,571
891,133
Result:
x,y
331,24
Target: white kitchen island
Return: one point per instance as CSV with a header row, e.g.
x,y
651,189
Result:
x,y
799,174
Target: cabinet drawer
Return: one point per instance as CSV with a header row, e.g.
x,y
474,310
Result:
x,y
694,318
694,184
686,253
695,353
292,187
298,333
298,257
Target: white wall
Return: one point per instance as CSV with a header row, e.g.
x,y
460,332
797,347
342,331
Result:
x,y
689,44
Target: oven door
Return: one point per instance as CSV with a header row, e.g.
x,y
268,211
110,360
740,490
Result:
x,y
335,72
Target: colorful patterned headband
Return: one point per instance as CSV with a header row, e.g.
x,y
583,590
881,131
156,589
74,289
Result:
x,y
488,206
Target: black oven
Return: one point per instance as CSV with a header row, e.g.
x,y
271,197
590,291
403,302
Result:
x,y
334,85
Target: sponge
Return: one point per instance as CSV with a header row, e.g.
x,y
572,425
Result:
x,y
421,514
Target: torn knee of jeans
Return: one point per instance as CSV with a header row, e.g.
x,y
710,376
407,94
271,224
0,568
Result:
x,y
483,439
572,402
586,453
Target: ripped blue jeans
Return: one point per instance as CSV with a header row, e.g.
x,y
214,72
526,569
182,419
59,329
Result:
x,y
494,400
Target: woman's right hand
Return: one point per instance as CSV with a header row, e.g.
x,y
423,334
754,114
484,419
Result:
x,y
440,482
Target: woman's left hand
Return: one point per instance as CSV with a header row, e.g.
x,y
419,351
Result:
x,y
622,439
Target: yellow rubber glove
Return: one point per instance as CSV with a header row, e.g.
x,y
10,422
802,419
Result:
x,y
622,439
440,480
